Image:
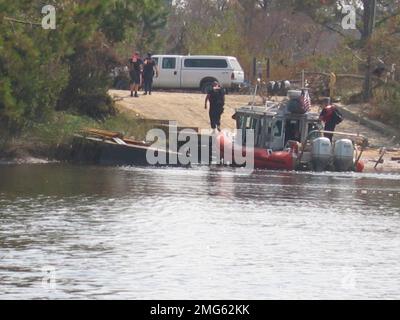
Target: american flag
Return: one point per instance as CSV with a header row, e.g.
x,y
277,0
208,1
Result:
x,y
305,101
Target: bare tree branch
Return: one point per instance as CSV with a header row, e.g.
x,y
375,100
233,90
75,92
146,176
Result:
x,y
22,21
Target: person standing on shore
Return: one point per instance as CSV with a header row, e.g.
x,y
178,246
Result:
x,y
216,97
331,116
135,70
149,71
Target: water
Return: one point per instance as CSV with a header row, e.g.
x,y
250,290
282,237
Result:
x,y
137,233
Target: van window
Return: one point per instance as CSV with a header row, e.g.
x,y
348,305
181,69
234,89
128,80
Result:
x,y
155,61
205,63
235,65
169,63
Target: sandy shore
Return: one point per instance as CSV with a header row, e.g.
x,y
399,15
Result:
x,y
185,108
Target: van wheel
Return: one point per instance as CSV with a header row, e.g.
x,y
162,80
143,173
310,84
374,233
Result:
x,y
206,86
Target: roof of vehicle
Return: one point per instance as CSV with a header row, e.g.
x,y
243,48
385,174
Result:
x,y
276,112
193,56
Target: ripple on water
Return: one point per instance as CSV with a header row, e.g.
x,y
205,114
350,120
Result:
x,y
198,234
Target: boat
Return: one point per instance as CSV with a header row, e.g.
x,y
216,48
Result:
x,y
285,140
110,148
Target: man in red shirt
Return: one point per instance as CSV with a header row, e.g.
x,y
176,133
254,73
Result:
x,y
135,71
330,116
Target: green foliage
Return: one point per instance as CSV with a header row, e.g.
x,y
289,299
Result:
x,y
61,126
69,67
128,125
118,18
58,129
31,77
86,92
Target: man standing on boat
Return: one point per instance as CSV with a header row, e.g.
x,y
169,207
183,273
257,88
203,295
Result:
x,y
216,97
331,116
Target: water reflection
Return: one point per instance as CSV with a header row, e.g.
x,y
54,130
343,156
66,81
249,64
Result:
x,y
197,233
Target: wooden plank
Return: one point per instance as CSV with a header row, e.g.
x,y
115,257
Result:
x,y
103,133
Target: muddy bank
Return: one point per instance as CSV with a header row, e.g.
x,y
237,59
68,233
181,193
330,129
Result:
x,y
82,153
22,152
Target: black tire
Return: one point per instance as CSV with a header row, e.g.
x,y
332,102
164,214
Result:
x,y
206,86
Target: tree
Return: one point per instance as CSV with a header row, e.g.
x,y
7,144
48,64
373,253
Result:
x,y
136,20
68,68
32,74
371,14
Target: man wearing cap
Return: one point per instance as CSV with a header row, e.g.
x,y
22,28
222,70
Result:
x,y
216,97
135,70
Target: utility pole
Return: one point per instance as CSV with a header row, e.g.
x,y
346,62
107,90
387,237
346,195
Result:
x,y
369,28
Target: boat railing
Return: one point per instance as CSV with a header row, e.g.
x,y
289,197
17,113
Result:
x,y
354,136
363,140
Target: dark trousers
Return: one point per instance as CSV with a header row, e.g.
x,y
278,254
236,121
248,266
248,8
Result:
x,y
148,84
215,116
329,126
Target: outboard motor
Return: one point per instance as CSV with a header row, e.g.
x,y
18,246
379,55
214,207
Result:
x,y
321,153
343,155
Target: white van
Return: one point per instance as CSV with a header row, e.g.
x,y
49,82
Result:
x,y
193,72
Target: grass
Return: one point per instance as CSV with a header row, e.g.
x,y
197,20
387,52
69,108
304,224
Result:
x,y
43,138
130,126
62,127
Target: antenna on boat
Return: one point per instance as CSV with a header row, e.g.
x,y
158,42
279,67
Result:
x,y
255,93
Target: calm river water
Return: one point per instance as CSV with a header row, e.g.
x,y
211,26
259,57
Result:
x,y
142,233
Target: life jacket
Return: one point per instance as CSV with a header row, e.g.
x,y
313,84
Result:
x,y
331,114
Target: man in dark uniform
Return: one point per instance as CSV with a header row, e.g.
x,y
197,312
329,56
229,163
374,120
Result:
x,y
149,70
216,97
135,70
